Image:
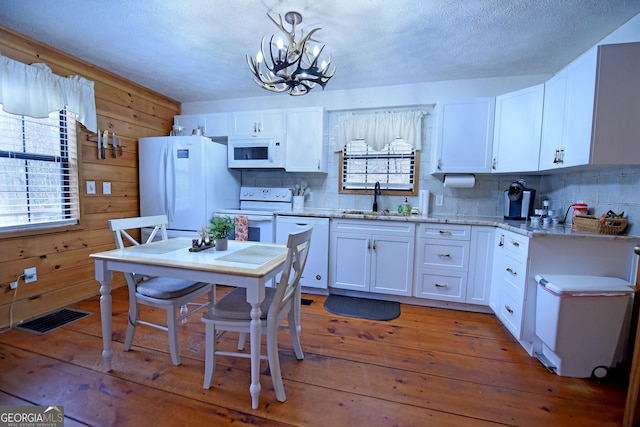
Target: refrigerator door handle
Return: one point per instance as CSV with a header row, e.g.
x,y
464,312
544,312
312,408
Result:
x,y
168,169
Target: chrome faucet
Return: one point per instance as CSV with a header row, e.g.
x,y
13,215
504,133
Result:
x,y
376,193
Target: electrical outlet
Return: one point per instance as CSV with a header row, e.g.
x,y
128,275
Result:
x,y
91,187
439,199
30,275
14,284
106,188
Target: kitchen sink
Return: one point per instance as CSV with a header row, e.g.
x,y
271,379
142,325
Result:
x,y
359,212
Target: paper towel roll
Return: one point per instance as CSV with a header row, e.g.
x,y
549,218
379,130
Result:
x,y
459,181
423,200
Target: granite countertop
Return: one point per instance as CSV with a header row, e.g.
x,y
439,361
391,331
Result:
x,y
517,226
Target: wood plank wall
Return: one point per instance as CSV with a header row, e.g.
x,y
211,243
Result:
x,y
65,272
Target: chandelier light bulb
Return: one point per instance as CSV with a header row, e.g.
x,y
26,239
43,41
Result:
x,y
280,43
259,57
316,50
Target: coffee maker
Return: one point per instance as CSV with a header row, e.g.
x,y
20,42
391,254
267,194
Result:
x,y
518,200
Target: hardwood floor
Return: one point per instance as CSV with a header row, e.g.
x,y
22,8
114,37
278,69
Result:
x,y
428,367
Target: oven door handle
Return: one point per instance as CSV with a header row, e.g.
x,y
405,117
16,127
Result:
x,y
259,218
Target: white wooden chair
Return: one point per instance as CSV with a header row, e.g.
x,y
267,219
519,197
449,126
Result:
x,y
161,292
232,313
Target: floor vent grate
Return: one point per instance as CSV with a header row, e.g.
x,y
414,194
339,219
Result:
x,y
49,322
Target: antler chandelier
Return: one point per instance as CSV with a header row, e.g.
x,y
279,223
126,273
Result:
x,y
291,67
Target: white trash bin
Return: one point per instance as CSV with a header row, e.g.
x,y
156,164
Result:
x,y
581,321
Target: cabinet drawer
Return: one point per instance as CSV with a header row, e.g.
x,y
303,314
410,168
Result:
x,y
448,255
445,231
441,286
516,244
372,226
514,275
511,313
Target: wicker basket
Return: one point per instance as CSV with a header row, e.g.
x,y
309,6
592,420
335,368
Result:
x,y
593,224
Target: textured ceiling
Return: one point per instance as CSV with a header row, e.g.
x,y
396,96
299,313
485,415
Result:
x,y
194,50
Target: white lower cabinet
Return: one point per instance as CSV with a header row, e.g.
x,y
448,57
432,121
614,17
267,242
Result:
x,y
509,280
453,263
442,262
372,256
480,265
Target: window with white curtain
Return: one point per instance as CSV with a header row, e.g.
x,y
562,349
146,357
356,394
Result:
x,y
379,147
38,164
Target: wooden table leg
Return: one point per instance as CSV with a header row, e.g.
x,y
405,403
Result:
x,y
104,277
256,331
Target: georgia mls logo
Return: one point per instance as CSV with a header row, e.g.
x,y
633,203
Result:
x,y
31,416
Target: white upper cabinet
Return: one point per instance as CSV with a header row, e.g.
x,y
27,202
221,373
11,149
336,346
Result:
x,y
215,124
305,140
263,124
518,125
552,144
464,136
218,124
600,111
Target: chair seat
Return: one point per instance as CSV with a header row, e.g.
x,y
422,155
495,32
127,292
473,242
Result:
x,y
234,305
167,288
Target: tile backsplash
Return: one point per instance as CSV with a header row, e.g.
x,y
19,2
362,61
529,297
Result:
x,y
603,189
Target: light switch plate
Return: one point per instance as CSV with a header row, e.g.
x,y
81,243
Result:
x,y
106,188
91,187
439,199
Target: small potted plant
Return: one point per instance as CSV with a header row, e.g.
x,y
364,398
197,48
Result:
x,y
220,227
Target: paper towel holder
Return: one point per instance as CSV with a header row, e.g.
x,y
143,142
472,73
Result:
x,y
459,180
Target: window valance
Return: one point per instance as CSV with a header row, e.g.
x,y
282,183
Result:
x,y
34,91
379,129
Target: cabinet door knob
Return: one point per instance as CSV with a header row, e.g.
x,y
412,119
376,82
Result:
x,y
374,245
509,309
439,285
514,243
509,270
447,232
444,255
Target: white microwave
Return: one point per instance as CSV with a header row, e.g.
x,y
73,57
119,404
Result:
x,y
256,153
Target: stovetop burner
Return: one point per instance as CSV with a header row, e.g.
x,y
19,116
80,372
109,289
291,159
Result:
x,y
262,201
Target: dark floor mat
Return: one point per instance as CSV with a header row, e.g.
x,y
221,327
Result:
x,y
49,322
364,308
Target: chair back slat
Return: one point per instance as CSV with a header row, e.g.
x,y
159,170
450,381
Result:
x,y
298,250
120,227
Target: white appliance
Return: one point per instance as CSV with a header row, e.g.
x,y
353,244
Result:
x,y
256,153
316,271
258,204
186,178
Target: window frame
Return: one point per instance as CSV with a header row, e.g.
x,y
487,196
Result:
x,y
383,190
62,225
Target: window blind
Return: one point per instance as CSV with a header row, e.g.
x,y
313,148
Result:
x,y
393,166
38,163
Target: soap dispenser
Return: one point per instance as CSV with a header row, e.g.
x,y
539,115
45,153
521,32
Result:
x,y
406,208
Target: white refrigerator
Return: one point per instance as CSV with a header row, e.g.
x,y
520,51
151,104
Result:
x,y
186,178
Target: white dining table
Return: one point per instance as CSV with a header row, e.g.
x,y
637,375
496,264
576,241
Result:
x,y
249,265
